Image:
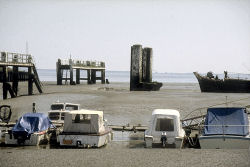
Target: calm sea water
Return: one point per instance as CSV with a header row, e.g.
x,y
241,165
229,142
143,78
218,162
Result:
x,y
124,76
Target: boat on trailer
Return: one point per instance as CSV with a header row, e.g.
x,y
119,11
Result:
x,y
165,128
85,128
58,110
226,128
31,129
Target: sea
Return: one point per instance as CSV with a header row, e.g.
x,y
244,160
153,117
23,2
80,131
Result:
x,y
124,76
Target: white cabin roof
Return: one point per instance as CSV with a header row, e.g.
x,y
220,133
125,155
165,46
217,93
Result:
x,y
166,112
83,111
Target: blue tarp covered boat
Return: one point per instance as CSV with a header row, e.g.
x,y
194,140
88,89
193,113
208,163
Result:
x,y
30,129
227,121
226,128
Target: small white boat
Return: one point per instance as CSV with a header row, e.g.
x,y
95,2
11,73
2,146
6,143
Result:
x,y
165,128
58,110
226,128
31,129
85,128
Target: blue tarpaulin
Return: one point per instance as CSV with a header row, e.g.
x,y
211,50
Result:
x,y
228,121
30,123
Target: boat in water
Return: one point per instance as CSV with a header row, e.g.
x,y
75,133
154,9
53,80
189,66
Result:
x,y
165,128
58,110
211,83
85,128
31,129
226,128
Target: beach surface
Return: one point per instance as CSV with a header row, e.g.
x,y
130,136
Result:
x,y
123,107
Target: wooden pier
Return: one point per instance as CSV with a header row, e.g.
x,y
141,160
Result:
x,y
9,73
91,67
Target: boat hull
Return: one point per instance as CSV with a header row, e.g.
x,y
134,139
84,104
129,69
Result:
x,y
87,140
224,142
226,86
35,139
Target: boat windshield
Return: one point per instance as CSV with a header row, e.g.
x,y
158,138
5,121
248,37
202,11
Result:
x,y
164,124
57,107
54,116
71,107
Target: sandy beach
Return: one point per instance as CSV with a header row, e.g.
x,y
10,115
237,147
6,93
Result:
x,y
123,107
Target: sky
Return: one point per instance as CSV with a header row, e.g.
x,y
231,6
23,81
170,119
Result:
x,y
186,35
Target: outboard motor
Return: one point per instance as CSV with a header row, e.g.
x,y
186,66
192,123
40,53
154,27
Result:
x,y
164,139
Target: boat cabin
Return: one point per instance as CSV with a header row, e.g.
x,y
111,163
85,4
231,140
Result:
x,y
58,110
83,128
165,128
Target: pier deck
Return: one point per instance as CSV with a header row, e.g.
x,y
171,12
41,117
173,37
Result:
x,y
9,73
70,65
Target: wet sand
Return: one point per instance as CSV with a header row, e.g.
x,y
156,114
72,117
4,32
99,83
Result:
x,y
121,107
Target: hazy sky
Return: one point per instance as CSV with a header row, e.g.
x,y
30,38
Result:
x,y
186,35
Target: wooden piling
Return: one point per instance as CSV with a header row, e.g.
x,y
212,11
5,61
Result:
x,y
77,76
136,66
103,76
15,80
88,76
59,72
93,76
30,81
147,64
5,90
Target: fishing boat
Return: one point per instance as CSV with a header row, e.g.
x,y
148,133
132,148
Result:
x,y
211,83
31,129
165,128
226,128
58,110
84,128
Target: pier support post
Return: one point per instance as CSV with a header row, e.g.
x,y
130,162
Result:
x,y
88,76
15,80
93,76
77,76
59,72
135,68
103,76
5,90
147,65
30,81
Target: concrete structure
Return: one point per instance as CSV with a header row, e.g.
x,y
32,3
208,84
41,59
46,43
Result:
x,y
9,65
141,69
77,65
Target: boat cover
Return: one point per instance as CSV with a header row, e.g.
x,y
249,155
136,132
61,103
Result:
x,y
30,123
228,121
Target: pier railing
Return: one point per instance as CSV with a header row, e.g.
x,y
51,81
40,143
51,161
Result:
x,y
12,58
81,63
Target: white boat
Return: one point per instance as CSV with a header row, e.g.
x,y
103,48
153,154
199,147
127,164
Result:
x,y
85,128
165,128
58,110
31,129
226,128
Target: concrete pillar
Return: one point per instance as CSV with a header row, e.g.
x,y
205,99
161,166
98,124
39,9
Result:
x,y
93,76
147,65
30,81
59,72
136,66
77,76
